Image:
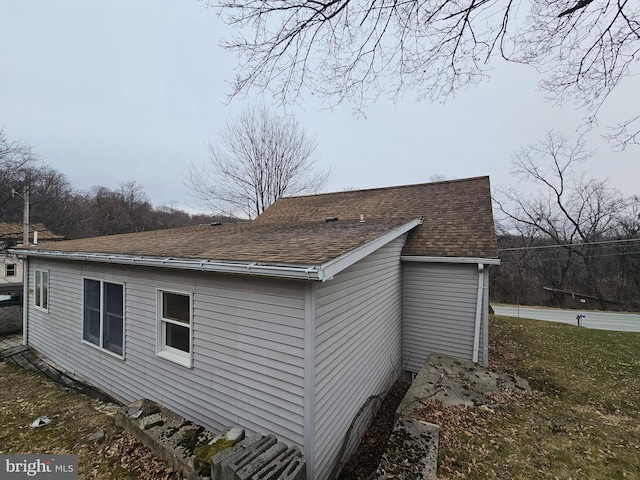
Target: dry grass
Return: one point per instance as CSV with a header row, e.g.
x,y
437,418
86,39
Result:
x,y
583,421
25,396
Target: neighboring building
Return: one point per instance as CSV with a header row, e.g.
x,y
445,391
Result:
x,y
10,236
285,325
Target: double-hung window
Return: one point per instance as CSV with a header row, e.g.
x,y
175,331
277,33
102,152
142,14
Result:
x,y
103,322
42,289
174,327
10,270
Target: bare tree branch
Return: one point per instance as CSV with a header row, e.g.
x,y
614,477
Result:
x,y
567,209
261,156
356,50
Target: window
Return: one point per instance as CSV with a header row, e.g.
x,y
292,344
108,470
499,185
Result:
x,y
42,289
103,323
10,270
174,327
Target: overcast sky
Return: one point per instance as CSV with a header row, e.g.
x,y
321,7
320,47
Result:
x,y
109,91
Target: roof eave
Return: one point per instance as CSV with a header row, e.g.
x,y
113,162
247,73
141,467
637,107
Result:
x,y
436,259
301,272
323,272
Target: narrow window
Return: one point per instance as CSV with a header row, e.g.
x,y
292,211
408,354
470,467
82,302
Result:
x,y
103,322
174,327
42,289
10,270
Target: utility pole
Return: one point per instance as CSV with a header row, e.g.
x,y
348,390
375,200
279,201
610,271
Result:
x,y
25,217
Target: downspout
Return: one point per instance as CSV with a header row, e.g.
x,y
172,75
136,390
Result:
x,y
485,319
25,299
476,335
309,424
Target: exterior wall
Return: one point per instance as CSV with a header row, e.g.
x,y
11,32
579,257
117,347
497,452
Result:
x,y
358,345
439,308
10,259
248,344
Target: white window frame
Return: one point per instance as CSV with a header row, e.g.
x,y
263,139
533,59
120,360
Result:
x,y
162,349
100,346
41,289
10,270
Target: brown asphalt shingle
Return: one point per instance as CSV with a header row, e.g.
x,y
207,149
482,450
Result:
x,y
309,243
14,231
457,222
457,214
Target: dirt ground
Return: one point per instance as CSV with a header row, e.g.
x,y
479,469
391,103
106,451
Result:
x,y
365,460
110,455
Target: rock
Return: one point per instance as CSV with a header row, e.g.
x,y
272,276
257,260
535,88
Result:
x,y
142,408
412,451
232,434
96,437
151,421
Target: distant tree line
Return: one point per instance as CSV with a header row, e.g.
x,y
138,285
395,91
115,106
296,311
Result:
x,y
72,213
535,271
573,241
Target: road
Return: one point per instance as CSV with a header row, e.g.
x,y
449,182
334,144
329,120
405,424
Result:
x,y
624,322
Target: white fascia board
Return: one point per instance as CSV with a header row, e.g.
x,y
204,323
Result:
x,y
293,272
331,268
427,259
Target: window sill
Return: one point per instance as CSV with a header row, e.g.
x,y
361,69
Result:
x,y
181,359
103,350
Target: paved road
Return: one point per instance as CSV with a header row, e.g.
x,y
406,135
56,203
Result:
x,y
626,322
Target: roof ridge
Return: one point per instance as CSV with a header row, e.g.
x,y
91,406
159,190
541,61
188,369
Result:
x,y
392,187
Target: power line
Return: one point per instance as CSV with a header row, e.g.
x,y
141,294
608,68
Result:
x,y
537,260
564,245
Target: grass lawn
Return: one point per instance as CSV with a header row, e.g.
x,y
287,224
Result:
x,y
582,421
25,396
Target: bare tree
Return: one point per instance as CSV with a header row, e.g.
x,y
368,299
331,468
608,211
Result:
x,y
261,156
18,162
570,210
346,50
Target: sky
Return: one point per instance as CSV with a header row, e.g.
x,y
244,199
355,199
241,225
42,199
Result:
x,y
111,91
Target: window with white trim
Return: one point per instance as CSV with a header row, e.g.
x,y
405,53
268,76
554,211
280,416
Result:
x,y
174,327
103,319
10,270
41,299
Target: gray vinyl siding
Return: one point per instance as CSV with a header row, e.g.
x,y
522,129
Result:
x,y
439,308
358,345
248,344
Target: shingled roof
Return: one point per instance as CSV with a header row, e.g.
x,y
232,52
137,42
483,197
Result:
x,y
13,231
457,214
302,243
450,219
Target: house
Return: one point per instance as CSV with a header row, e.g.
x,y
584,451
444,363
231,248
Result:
x,y
284,325
11,235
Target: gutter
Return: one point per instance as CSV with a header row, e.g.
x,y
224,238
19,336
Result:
x,y
433,259
301,273
322,273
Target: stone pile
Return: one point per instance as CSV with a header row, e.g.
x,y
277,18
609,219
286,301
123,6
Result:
x,y
199,455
